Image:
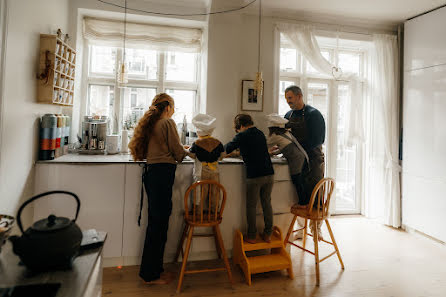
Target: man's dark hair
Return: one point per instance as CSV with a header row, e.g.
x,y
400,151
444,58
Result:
x,y
295,89
242,120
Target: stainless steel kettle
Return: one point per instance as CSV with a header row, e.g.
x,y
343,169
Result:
x,y
49,243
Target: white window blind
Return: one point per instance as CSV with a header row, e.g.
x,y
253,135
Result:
x,y
155,37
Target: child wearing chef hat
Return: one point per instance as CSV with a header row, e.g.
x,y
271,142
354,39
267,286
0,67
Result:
x,y
280,138
206,150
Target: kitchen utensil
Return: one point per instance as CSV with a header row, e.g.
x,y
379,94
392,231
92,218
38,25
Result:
x,y
49,243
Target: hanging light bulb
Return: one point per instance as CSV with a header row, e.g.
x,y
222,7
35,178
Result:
x,y
122,75
258,84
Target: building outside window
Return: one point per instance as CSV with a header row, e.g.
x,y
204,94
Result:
x,y
149,72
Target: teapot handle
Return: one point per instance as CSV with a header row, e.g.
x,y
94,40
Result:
x,y
19,221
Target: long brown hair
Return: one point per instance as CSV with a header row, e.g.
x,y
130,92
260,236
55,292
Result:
x,y
143,131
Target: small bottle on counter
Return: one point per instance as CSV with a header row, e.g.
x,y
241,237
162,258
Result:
x,y
184,131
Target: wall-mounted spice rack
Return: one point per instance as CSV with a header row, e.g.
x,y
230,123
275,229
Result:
x,y
56,71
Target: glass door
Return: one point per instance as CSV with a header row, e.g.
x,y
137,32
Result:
x,y
318,94
347,159
342,162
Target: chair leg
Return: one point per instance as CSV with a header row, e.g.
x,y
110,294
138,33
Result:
x,y
180,244
223,252
304,239
216,242
186,254
316,250
290,230
334,243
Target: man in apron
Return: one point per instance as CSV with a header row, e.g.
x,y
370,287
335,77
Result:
x,y
308,127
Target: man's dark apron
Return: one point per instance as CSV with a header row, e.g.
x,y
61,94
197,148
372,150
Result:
x,y
317,161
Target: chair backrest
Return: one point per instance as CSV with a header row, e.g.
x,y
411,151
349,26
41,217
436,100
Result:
x,y
204,202
320,197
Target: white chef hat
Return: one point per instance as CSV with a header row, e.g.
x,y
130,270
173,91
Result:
x,y
275,120
204,123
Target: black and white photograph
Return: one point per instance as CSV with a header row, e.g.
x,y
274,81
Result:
x,y
250,99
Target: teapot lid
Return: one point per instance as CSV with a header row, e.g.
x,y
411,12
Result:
x,y
51,223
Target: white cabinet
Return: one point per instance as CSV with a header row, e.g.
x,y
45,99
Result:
x,y
424,42
424,140
424,136
110,201
134,235
100,189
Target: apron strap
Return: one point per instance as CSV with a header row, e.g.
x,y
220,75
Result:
x,y
299,146
143,175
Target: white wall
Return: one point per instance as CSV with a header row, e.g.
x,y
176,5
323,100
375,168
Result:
x,y
233,52
424,138
26,19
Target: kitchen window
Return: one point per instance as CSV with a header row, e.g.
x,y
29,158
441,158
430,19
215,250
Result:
x,y
149,72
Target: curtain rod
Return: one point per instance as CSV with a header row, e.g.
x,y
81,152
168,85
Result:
x,y
335,27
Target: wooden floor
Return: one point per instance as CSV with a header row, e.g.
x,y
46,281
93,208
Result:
x,y
379,261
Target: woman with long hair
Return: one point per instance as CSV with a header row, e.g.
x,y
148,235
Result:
x,y
156,140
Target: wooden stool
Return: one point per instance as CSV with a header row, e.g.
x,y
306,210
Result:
x,y
278,259
317,213
207,213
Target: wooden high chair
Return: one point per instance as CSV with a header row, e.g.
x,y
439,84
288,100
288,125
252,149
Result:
x,y
317,213
207,213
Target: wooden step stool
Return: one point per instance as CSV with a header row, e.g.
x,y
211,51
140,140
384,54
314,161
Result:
x,y
278,259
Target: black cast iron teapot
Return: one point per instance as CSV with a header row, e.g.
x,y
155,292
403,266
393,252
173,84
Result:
x,y
50,243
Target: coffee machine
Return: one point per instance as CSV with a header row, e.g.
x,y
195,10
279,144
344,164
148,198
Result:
x,y
94,133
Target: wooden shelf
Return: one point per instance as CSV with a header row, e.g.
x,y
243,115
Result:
x,y
64,74
48,89
64,59
63,89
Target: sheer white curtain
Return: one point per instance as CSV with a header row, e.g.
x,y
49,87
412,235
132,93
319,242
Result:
x,y
383,190
164,38
303,38
382,184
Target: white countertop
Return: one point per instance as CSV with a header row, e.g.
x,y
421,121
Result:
x,y
127,158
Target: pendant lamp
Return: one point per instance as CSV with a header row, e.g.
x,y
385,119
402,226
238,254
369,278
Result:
x,y
122,75
258,84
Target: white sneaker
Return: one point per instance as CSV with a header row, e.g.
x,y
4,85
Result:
x,y
319,232
319,235
298,235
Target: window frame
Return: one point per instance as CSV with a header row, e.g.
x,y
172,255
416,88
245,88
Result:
x,y
160,84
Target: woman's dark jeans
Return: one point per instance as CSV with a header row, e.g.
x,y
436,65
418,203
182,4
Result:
x,y
158,183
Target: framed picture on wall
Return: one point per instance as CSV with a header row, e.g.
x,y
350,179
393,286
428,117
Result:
x,y
250,100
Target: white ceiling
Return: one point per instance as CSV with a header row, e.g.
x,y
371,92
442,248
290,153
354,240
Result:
x,y
390,11
365,12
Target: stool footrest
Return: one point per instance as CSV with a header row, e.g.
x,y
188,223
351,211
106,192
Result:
x,y
325,258
298,246
203,235
204,270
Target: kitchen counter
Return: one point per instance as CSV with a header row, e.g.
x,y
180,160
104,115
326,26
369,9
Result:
x,y
127,158
109,188
83,280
